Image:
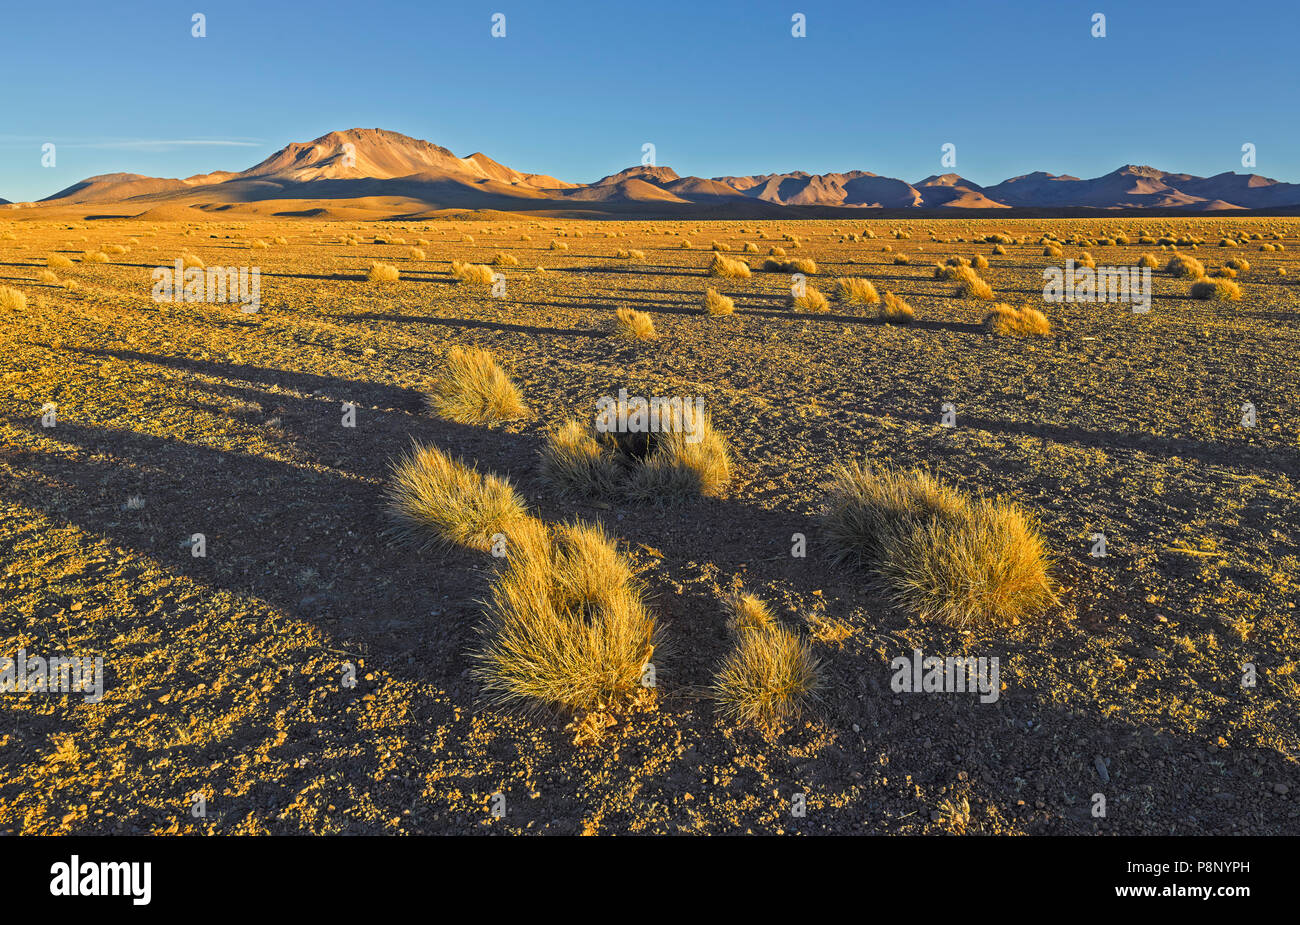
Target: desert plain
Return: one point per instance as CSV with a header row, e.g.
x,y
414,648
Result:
x,y
223,672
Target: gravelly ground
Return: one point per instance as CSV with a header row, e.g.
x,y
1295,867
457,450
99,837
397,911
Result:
x,y
224,671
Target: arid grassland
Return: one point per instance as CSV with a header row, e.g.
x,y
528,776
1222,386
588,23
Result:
x,y
328,545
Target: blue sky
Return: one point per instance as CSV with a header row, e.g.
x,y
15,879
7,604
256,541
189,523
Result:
x,y
721,87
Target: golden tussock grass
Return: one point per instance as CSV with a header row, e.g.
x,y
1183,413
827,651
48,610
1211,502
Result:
x,y
770,674
475,274
895,309
804,265
1005,320
1148,260
715,303
439,499
574,462
855,291
94,257
473,389
505,260
685,458
12,299
1240,264
566,624
1185,267
628,322
728,267
383,273
1216,290
415,253
189,261
47,276
58,262
808,300
939,553
971,286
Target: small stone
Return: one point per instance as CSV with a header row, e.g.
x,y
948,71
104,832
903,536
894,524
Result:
x,y
1099,763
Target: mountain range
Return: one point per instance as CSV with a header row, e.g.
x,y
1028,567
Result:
x,y
362,173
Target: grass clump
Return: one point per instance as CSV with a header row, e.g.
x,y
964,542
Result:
x,y
770,674
1182,266
808,300
566,624
628,322
676,457
383,273
936,551
1216,290
1012,322
804,265
12,299
895,310
443,500
728,267
855,291
473,389
475,274
971,286
58,262
715,303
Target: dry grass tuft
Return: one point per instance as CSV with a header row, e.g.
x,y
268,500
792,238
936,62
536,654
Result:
x,y
476,274
809,300
192,260
382,273
855,291
1023,322
770,673
442,499
715,303
728,267
473,389
58,262
574,462
1185,267
1216,290
628,322
804,265
684,458
12,299
971,286
894,309
566,623
939,553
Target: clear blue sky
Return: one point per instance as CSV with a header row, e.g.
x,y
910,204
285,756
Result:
x,y
719,87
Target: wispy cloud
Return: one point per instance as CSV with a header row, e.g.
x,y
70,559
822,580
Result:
x,y
133,144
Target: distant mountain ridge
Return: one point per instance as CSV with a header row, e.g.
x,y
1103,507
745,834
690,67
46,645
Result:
x,y
412,176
